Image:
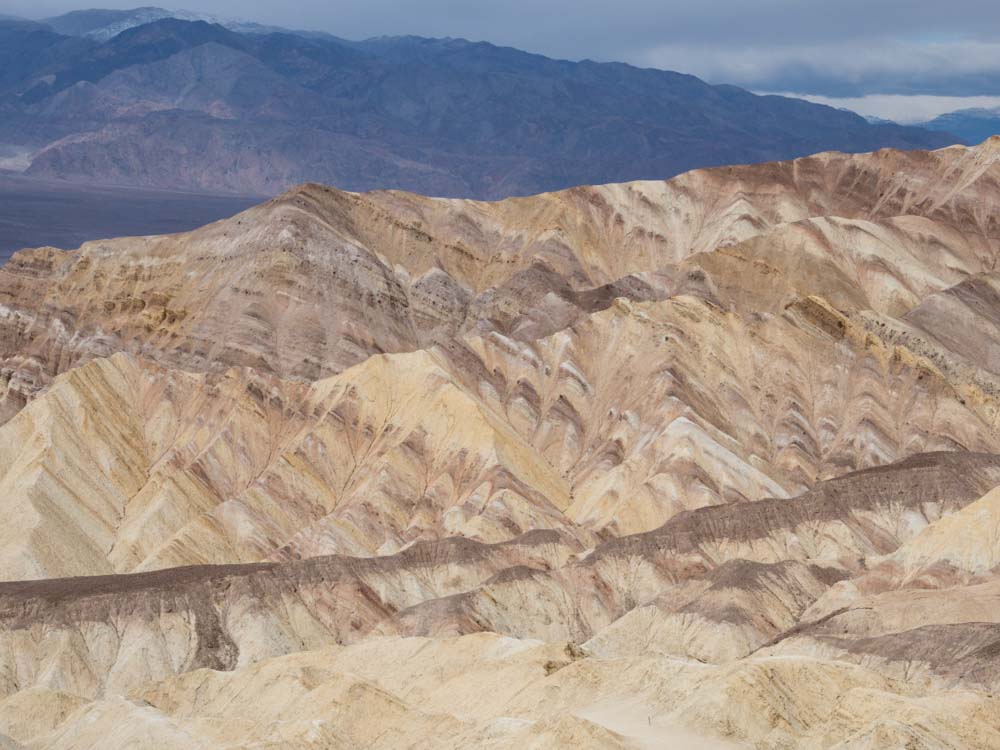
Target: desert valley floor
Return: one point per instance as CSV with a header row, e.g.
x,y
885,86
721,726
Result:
x,y
705,463
65,215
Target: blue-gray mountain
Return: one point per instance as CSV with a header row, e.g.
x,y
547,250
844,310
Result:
x,y
195,105
971,125
103,24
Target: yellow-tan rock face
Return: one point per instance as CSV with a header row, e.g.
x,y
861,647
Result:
x,y
711,462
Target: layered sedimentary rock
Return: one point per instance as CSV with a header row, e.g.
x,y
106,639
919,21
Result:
x,y
89,640
713,460
384,271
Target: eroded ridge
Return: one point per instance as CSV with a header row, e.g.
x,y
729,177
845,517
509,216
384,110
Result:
x,y
710,460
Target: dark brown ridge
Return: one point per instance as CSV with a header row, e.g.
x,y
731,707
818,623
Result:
x,y
54,593
951,479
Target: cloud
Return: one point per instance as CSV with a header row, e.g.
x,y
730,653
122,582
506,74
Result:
x,y
900,108
846,69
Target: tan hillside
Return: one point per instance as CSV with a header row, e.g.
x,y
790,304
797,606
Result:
x,y
711,462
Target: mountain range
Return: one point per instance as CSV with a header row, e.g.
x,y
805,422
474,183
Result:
x,y
103,24
710,462
150,99
971,125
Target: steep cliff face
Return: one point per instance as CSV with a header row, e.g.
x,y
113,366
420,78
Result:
x,y
706,460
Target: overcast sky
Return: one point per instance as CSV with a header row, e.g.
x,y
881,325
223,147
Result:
x,y
891,57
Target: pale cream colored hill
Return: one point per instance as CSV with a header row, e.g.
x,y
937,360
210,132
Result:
x,y
968,540
120,454
495,692
944,575
613,425
109,635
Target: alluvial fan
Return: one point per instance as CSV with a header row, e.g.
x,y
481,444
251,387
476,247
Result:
x,y
711,462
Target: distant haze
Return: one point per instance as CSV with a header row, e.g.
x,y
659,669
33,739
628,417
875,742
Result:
x,y
846,49
900,108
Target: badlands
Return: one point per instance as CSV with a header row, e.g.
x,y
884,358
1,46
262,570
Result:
x,y
705,463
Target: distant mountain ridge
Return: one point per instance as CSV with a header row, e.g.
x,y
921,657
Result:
x,y
101,24
188,104
972,125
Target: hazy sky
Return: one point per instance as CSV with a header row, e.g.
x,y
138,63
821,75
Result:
x,y
829,48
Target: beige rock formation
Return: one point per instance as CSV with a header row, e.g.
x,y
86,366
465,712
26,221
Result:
x,y
496,692
710,462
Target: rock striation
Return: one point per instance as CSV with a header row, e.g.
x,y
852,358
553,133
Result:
x,y
710,462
